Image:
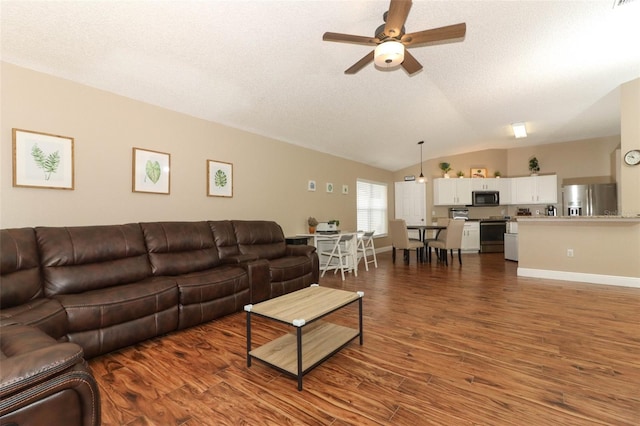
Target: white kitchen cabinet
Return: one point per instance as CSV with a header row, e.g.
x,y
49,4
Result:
x,y
487,184
411,202
471,236
534,190
451,192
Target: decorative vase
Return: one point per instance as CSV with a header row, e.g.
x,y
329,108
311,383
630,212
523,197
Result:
x,y
446,175
312,229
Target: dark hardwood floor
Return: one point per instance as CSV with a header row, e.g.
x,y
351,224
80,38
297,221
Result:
x,y
443,345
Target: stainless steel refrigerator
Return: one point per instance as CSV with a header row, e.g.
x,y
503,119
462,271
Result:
x,y
590,200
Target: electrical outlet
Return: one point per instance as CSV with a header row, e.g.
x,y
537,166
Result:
x,y
569,252
537,212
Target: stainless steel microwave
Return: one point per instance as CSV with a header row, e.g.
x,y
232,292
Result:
x,y
485,198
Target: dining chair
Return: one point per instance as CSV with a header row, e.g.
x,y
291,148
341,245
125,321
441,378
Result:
x,y
452,240
339,256
400,240
365,245
439,235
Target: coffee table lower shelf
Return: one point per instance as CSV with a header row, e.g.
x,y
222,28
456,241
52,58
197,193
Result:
x,y
322,340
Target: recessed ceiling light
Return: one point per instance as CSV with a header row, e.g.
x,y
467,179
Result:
x,y
519,130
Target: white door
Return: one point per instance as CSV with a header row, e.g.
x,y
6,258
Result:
x,y
411,202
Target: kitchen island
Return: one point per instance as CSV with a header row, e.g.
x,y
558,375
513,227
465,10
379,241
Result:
x,y
593,249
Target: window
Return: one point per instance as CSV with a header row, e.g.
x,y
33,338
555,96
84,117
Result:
x,y
372,206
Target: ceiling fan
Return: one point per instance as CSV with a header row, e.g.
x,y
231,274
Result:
x,y
391,41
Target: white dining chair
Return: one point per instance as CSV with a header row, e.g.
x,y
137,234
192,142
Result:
x,y
365,245
337,256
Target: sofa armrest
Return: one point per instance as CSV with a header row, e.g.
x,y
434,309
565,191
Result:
x,y
239,259
24,370
300,250
259,274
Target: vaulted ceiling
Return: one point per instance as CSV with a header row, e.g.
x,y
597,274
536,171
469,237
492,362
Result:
x,y
262,66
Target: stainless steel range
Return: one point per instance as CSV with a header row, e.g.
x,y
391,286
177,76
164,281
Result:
x,y
492,232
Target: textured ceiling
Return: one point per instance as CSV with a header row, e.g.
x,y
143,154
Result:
x,y
262,66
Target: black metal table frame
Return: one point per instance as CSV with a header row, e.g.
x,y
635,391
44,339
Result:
x,y
299,328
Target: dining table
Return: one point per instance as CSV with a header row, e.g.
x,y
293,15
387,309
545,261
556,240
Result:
x,y
422,231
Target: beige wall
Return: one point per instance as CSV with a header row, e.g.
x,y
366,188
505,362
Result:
x,y
630,134
607,251
270,177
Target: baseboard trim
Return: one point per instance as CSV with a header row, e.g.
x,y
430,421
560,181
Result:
x,y
580,277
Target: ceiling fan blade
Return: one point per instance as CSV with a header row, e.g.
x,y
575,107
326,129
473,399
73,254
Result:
x,y
361,63
396,17
348,38
410,64
435,34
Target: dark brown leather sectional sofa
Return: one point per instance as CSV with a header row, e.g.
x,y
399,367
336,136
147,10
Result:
x,y
68,294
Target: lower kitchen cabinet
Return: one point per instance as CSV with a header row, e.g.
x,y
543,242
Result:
x,y
471,236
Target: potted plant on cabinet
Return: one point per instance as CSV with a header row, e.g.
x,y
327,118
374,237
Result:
x,y
312,222
445,167
497,174
460,174
534,167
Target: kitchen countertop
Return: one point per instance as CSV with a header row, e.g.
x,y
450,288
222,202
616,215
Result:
x,y
580,219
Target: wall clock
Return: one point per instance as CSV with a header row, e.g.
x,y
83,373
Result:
x,y
632,157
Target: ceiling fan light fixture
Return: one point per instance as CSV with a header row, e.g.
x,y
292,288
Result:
x,y
389,54
519,130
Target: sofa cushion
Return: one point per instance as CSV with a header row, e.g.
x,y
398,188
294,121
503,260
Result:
x,y
264,239
108,306
86,258
46,314
19,267
225,237
179,247
107,319
291,267
210,294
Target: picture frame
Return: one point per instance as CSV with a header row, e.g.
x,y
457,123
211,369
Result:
x,y
311,185
329,187
478,173
151,171
219,179
42,160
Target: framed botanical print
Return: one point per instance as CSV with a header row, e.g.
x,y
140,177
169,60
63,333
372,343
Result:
x,y
42,160
151,171
479,173
219,179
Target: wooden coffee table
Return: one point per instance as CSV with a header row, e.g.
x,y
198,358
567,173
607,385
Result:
x,y
314,341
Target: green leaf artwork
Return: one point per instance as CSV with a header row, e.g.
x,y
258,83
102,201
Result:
x,y
153,171
48,163
220,179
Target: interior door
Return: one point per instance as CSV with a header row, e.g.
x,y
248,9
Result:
x,y
411,202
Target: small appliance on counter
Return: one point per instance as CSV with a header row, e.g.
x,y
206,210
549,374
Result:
x,y
523,212
459,213
551,210
327,228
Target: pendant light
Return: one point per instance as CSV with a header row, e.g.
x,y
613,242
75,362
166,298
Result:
x,y
421,178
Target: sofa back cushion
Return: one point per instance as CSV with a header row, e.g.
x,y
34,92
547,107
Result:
x,y
264,239
84,258
20,279
225,237
180,247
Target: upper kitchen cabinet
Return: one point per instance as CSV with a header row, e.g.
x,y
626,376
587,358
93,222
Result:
x,y
534,190
451,192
